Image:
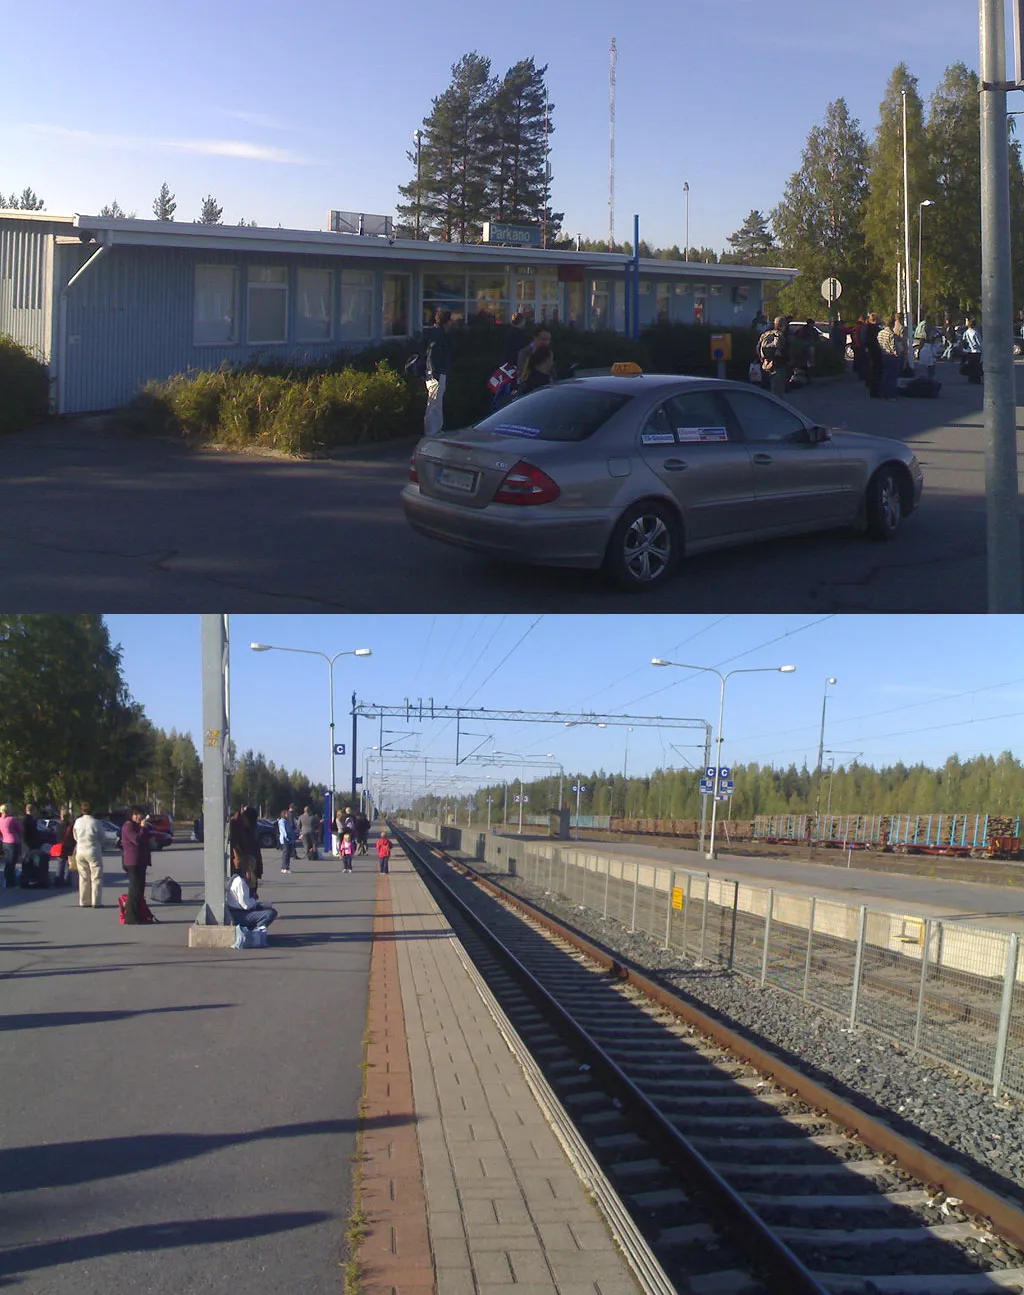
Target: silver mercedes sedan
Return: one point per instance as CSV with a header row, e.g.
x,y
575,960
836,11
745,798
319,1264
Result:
x,y
631,473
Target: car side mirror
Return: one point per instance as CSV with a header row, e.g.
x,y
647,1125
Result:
x,y
818,434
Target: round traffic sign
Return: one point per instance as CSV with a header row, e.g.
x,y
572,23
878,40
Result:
x,y
831,290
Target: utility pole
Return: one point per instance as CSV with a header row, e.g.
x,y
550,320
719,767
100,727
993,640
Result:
x,y
1001,493
908,320
611,147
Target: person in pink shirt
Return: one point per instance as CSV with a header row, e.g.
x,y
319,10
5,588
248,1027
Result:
x,y
347,849
10,843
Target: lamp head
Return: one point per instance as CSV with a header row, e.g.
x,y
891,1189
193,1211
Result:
x,y
928,202
363,652
657,660
831,680
259,647
787,669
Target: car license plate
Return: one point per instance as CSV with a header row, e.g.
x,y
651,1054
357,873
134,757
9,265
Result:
x,y
457,479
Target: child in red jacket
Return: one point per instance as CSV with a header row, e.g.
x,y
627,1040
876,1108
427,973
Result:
x,y
383,851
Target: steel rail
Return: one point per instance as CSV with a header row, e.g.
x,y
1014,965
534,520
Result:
x,y
1006,1218
757,1238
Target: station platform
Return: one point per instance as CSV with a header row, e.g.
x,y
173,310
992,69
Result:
x,y
179,1121
479,1195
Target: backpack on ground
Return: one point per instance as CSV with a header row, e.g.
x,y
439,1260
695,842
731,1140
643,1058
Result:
x,y
247,937
165,891
144,911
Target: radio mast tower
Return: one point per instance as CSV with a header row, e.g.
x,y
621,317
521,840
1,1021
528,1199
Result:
x,y
611,146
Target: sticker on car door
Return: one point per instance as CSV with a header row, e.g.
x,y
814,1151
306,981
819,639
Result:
x,y
657,438
688,435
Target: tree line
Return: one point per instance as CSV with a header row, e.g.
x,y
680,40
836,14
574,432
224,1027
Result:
x,y
984,784
70,731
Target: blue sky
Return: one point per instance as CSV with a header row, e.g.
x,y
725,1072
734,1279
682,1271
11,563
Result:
x,y
908,687
284,113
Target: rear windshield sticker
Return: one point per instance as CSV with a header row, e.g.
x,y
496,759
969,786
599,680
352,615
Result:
x,y
514,429
657,438
702,434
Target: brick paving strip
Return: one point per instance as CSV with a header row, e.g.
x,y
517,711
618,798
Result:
x,y
394,1255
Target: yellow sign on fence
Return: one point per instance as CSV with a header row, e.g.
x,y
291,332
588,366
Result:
x,y
677,897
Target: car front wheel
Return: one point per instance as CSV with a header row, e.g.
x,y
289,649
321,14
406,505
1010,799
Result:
x,y
644,548
883,504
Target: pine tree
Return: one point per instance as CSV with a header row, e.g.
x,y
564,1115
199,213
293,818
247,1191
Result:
x,y
523,123
26,201
884,209
752,244
114,211
952,269
211,212
818,223
164,205
457,148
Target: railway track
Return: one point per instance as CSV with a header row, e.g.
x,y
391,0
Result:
x,y
741,1174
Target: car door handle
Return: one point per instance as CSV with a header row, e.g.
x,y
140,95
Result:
x,y
675,465
763,458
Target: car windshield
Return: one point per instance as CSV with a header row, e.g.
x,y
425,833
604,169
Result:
x,y
557,413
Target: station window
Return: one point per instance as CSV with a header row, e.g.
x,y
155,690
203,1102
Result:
x,y
444,291
356,305
268,303
313,306
215,312
396,305
599,317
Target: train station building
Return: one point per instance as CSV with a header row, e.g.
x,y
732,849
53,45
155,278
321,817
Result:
x,y
111,304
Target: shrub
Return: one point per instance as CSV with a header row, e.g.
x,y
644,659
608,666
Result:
x,y
24,387
303,412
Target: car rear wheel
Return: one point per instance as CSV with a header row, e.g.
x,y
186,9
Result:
x,y
883,504
644,548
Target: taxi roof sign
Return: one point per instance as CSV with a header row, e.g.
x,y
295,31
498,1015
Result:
x,y
626,369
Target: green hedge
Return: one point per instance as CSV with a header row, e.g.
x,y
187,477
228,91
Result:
x,y
295,412
364,397
24,387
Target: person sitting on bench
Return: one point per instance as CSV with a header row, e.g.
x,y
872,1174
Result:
x,y
243,910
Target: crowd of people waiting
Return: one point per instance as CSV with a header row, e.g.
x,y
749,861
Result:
x,y
880,348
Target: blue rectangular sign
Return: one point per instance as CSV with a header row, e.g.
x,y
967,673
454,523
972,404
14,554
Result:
x,y
516,235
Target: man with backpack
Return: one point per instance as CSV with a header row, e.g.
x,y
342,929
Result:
x,y
771,352
438,363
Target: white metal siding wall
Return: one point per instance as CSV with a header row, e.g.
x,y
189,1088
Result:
x,y
25,253
129,320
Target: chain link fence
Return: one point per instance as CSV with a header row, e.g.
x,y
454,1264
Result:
x,y
946,989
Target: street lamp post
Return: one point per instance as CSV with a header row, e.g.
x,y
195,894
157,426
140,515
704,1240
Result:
x,y
928,202
418,137
821,750
686,235
271,647
771,669
579,789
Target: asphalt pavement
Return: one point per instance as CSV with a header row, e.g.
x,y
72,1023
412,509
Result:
x,y
94,516
177,1121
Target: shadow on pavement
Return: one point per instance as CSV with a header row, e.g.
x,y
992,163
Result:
x,y
39,1020
152,1236
63,1164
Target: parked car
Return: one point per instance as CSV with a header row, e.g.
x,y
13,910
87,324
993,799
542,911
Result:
x,y
633,473
266,830
111,834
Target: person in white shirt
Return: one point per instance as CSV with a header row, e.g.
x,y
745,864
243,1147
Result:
x,y
89,856
971,342
243,910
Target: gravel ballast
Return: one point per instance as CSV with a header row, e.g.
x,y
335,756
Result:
x,y
952,1115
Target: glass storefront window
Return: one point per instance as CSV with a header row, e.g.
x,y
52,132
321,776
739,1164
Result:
x,y
313,305
215,313
396,305
599,317
356,305
268,304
